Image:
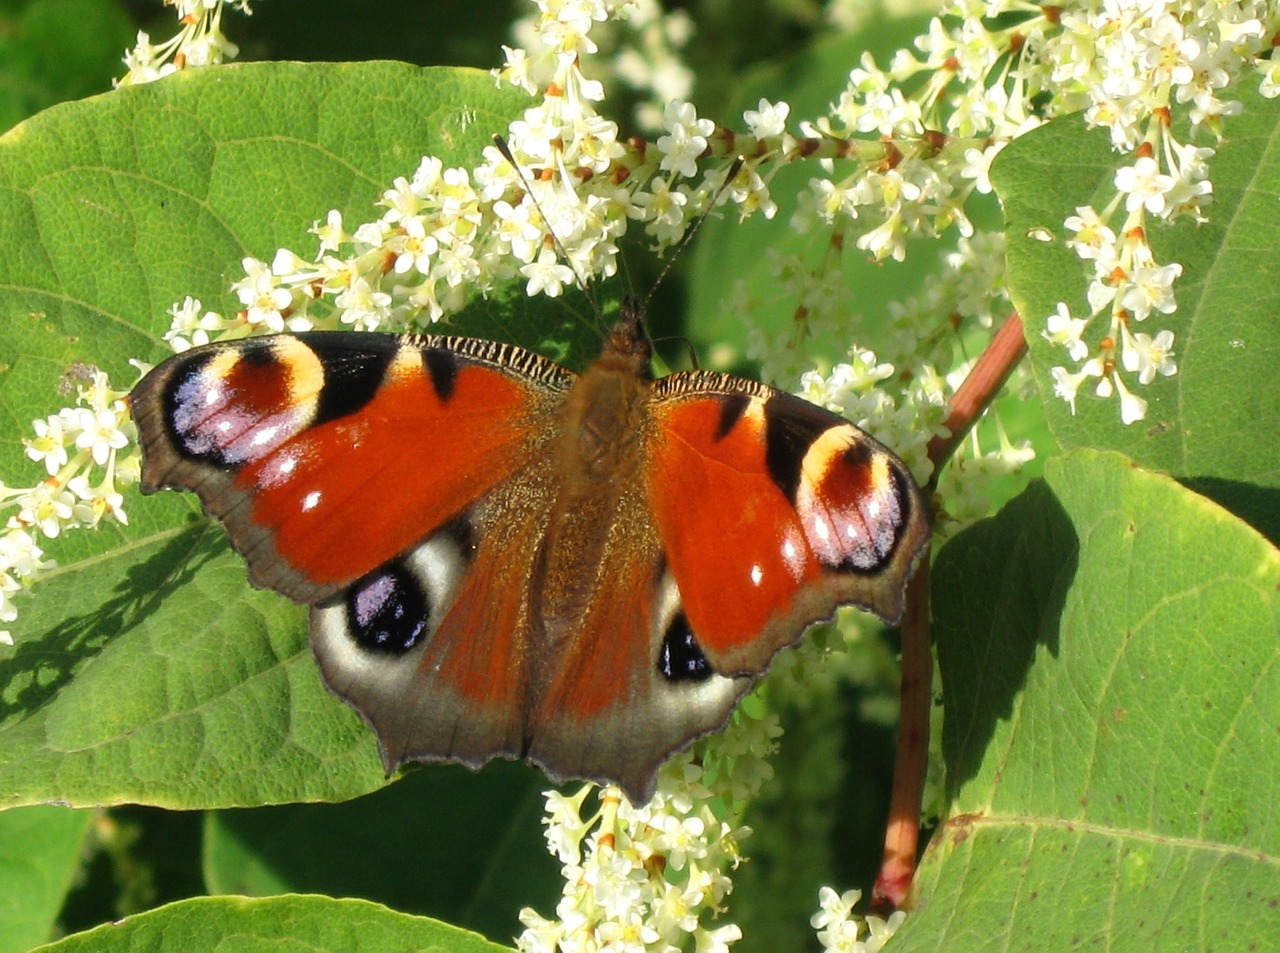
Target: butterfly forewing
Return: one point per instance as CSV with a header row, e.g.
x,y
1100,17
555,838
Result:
x,y
773,512
328,454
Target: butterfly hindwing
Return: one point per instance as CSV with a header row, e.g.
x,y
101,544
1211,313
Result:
x,y
433,648
621,695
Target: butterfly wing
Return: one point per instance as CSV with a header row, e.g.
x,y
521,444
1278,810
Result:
x,y
773,512
393,484
613,705
325,455
434,647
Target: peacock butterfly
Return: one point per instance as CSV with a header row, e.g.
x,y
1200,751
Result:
x,y
503,558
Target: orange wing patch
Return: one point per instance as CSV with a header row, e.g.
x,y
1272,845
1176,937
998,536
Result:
x,y
347,495
734,542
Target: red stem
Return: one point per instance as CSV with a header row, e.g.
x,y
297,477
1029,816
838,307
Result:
x,y
902,839
979,389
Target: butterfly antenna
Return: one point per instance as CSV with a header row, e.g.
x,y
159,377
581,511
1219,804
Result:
x,y
693,229
502,146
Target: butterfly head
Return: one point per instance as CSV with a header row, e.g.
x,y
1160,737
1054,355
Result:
x,y
628,342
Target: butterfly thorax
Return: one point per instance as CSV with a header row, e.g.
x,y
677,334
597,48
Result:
x,y
599,458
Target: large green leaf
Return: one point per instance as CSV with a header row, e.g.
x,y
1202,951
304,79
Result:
x,y
1109,647
283,924
1227,330
445,842
145,668
40,850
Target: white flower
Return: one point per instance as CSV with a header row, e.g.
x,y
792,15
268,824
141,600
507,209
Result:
x,y
46,507
833,907
100,433
331,234
49,445
515,227
190,328
977,166
1066,384
362,306
21,555
718,940
1132,407
1149,356
417,247
262,295
664,209
1093,238
1150,288
1064,330
565,826
546,275
686,138
1144,185
96,501
767,119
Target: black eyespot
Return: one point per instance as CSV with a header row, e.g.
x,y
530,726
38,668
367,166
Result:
x,y
680,659
387,610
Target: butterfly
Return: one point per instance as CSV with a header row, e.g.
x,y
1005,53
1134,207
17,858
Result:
x,y
503,558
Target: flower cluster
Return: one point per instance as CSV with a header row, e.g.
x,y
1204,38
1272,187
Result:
x,y
200,42
640,53
1129,63
81,451
841,932
548,208
650,877
1126,63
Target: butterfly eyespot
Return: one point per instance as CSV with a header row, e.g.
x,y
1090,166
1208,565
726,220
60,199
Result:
x,y
387,610
681,659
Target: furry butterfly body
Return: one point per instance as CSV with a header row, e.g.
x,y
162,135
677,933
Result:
x,y
506,559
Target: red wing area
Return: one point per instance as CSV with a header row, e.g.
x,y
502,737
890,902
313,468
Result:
x,y
732,539
607,666
479,646
344,496
327,454
772,512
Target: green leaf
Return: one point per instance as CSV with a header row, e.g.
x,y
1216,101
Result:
x,y
444,842
53,50
1109,650
146,669
40,851
283,924
1227,338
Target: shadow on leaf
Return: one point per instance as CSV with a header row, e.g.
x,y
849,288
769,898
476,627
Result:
x,y
43,664
999,589
1259,506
